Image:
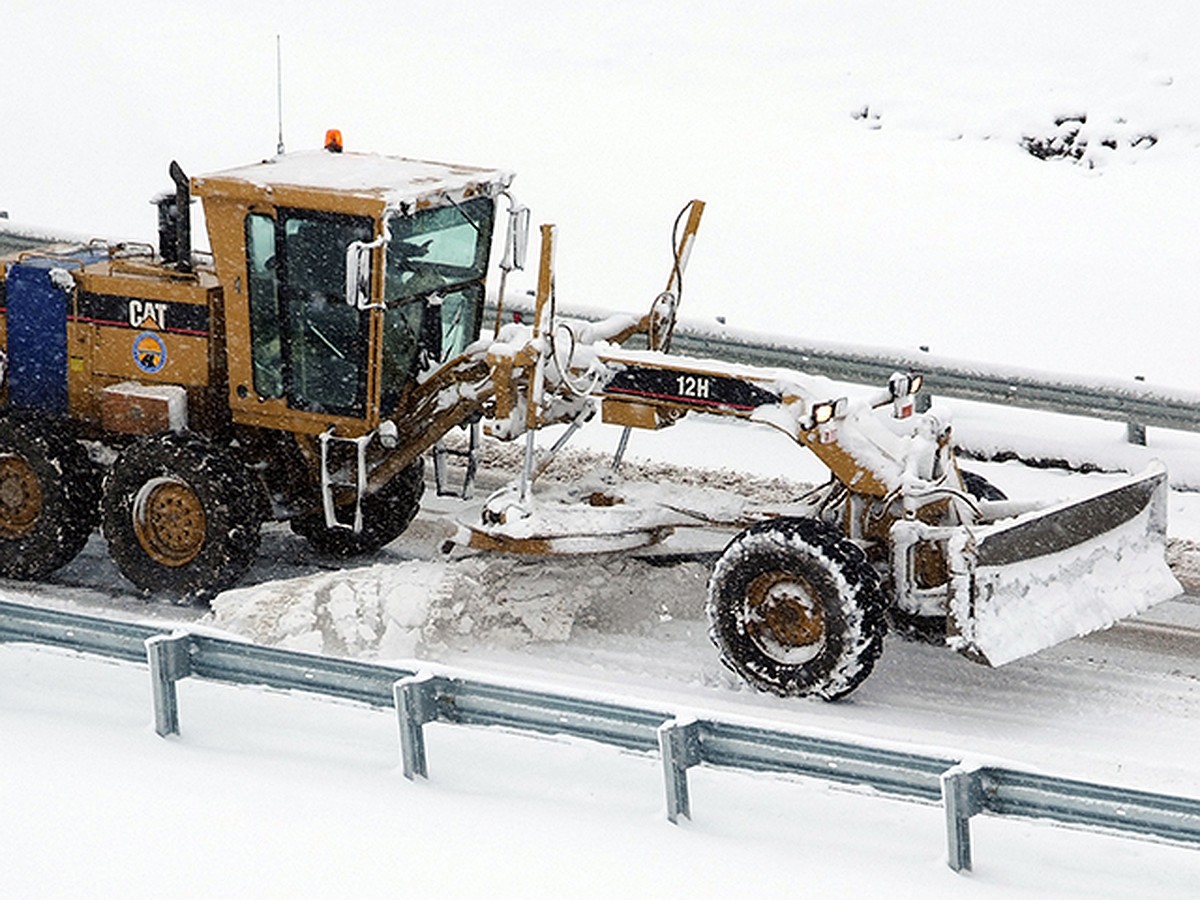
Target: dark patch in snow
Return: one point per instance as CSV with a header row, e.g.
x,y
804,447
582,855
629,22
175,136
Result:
x,y
1184,559
868,116
1073,139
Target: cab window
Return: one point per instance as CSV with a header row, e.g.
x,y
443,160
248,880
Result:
x,y
433,288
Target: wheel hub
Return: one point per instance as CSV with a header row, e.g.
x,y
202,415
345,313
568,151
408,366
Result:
x,y
20,497
784,618
169,521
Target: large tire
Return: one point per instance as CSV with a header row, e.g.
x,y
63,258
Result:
x,y
795,609
49,498
181,516
386,514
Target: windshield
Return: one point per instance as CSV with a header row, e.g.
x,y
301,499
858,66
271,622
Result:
x,y
433,288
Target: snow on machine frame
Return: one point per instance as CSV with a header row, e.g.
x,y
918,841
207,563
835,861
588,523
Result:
x,y
333,338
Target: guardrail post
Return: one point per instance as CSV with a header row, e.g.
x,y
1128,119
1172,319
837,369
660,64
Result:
x,y
962,797
1135,432
679,743
169,661
416,704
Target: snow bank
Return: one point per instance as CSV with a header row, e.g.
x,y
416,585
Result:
x,y
378,610
403,610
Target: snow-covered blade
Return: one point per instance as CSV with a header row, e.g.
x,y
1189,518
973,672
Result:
x,y
592,516
1044,577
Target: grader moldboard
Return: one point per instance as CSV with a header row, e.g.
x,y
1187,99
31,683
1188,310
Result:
x,y
302,371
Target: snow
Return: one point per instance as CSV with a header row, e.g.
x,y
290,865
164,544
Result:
x,y
396,181
865,185
380,610
281,795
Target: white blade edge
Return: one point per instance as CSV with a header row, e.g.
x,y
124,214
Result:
x,y
1045,577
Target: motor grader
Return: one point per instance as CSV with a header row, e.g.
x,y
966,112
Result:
x,y
332,339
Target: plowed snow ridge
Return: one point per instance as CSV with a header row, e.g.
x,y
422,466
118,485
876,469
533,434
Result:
x,y
429,607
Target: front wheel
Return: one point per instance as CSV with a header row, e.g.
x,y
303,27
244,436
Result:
x,y
181,516
794,608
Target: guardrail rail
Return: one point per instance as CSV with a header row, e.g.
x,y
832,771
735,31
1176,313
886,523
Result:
x,y
419,698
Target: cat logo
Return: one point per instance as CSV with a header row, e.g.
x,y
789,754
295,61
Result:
x,y
142,312
149,352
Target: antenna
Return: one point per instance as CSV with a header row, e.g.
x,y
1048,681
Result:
x,y
279,92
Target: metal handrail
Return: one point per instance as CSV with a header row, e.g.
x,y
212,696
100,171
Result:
x,y
683,742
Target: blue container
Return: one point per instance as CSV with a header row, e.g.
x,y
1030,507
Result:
x,y
37,309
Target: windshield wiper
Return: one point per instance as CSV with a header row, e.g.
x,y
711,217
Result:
x,y
470,221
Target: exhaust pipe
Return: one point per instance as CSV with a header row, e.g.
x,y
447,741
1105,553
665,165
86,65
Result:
x,y
180,253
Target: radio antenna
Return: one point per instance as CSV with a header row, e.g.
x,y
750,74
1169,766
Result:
x,y
279,92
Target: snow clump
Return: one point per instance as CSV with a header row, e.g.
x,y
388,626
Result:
x,y
404,610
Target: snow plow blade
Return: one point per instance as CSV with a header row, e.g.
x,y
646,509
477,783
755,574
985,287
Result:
x,y
567,522
1041,578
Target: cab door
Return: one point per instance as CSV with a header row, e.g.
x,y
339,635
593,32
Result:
x,y
309,348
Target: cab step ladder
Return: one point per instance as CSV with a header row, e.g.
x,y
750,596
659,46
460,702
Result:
x,y
356,478
471,455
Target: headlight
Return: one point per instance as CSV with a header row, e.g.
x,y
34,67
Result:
x,y
828,410
389,434
903,384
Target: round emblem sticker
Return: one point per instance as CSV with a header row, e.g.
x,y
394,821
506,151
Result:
x,y
149,352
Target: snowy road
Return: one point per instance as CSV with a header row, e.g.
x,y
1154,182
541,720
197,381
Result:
x,y
1122,706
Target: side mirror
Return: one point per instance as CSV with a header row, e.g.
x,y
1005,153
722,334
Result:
x,y
358,272
516,241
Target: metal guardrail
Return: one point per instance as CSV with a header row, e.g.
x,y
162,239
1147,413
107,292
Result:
x,y
15,238
1133,402
683,742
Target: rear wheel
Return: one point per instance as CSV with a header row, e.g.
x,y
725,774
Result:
x,y
49,498
795,609
181,516
385,515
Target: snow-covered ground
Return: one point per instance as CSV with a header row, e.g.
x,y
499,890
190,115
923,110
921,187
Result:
x,y
274,795
280,773
866,183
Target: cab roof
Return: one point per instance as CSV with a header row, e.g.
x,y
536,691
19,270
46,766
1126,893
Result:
x,y
374,180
